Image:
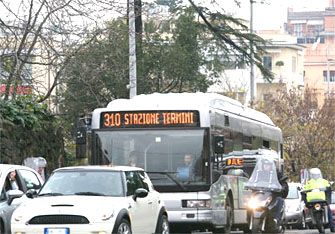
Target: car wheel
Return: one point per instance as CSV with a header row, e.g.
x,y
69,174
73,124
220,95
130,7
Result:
x,y
163,225
123,227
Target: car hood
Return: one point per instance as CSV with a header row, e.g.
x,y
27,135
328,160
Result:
x,y
92,207
292,204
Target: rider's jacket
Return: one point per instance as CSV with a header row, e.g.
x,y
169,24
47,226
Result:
x,y
315,184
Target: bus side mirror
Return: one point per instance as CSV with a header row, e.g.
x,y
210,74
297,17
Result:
x,y
219,144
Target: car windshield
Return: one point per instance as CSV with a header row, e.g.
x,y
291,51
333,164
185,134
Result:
x,y
84,182
293,193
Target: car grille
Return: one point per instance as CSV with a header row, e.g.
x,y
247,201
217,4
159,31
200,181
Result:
x,y
59,219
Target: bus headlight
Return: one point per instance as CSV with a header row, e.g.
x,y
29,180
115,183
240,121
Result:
x,y
205,203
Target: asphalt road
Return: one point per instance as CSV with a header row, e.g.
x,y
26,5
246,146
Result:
x,y
311,231
294,231
291,231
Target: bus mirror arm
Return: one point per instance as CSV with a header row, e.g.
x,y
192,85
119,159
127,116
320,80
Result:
x,y
219,144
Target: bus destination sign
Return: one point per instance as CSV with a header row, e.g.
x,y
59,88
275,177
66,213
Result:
x,y
144,119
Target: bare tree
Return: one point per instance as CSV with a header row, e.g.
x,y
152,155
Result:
x,y
39,38
308,131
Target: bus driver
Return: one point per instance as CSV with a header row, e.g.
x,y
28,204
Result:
x,y
185,172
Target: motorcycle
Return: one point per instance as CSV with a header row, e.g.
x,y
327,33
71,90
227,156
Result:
x,y
264,201
318,210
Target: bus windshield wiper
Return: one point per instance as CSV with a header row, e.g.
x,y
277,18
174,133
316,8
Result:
x,y
168,174
90,194
50,194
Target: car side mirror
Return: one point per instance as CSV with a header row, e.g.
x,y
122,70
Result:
x,y
12,194
31,193
140,192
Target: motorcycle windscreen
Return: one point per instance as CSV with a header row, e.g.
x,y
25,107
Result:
x,y
264,176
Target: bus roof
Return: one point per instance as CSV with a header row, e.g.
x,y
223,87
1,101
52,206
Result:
x,y
203,102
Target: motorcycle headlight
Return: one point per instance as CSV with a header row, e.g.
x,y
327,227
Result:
x,y
255,202
317,206
198,203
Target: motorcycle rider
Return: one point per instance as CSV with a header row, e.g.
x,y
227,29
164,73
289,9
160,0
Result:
x,y
279,196
267,174
315,182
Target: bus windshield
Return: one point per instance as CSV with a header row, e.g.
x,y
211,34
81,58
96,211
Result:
x,y
172,158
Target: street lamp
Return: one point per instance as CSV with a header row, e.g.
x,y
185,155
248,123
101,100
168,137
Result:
x,y
252,75
132,50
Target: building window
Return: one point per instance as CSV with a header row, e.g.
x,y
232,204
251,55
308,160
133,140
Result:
x,y
294,64
297,30
267,62
331,76
301,40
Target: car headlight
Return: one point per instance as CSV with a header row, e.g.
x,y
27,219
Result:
x,y
205,203
107,215
17,218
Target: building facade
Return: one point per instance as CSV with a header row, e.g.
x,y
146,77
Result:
x,y
283,57
316,30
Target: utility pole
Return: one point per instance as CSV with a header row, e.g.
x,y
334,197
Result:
x,y
132,49
252,75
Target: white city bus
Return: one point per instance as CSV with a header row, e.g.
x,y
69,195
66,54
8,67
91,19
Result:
x,y
161,128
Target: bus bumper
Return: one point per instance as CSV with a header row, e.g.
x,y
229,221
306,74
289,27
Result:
x,y
211,217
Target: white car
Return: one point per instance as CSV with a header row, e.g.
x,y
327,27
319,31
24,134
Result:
x,y
295,213
10,198
93,199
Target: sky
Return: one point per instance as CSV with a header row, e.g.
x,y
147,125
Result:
x,y
267,14
272,13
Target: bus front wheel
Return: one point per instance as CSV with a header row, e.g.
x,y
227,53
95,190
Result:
x,y
230,217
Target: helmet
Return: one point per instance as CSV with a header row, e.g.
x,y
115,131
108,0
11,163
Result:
x,y
236,172
315,173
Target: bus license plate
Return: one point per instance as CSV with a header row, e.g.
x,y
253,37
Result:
x,y
56,231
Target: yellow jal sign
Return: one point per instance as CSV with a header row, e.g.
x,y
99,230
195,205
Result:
x,y
234,162
143,119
